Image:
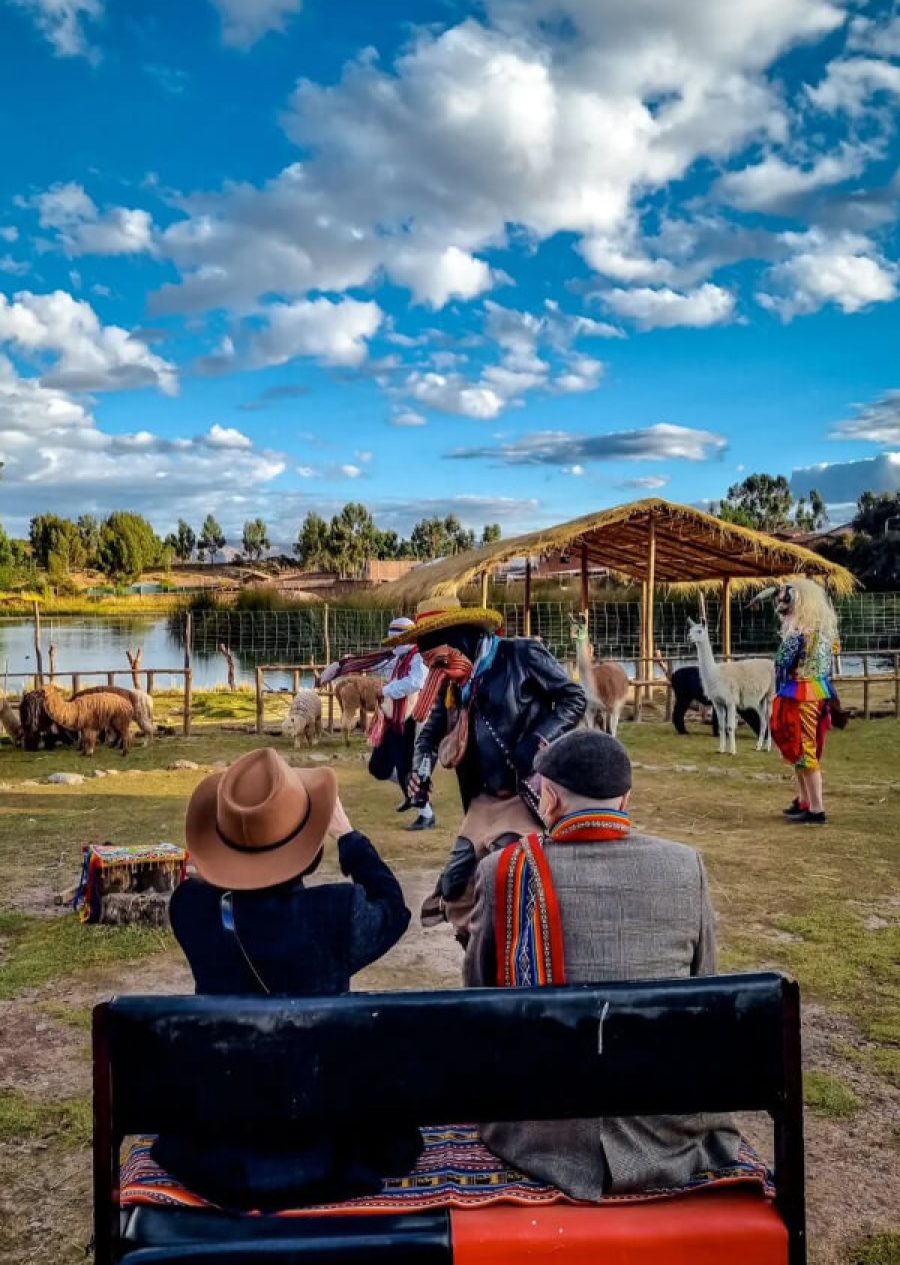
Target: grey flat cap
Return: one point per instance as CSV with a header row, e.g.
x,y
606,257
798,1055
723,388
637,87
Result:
x,y
588,763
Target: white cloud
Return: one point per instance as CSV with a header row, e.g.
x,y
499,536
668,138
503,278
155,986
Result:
x,y
308,472
348,471
840,482
336,333
56,457
407,417
562,448
85,355
246,21
452,394
851,83
582,374
773,183
663,308
878,421
61,21
647,483
868,35
845,269
9,233
486,134
83,230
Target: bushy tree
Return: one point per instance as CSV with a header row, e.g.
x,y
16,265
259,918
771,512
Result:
x,y
182,541
255,538
814,516
88,528
312,546
128,546
212,538
351,539
491,533
436,537
761,501
56,544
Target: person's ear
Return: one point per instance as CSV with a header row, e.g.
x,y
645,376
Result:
x,y
624,801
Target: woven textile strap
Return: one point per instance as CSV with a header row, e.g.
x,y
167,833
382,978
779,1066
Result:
x,y
528,925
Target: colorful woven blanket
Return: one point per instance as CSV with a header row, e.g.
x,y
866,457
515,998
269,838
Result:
x,y
130,857
455,1170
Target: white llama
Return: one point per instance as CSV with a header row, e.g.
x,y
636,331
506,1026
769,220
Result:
x,y
745,684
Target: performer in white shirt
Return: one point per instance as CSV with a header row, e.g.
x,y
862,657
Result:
x,y
404,675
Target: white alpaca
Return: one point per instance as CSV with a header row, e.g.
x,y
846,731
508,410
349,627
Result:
x,y
745,684
605,684
304,720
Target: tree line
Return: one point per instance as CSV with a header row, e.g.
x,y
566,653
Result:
x,y
124,545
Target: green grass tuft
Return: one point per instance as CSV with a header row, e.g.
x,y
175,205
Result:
x,y
877,1249
67,1121
826,1095
37,951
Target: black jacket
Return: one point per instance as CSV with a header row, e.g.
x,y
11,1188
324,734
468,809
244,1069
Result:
x,y
527,699
302,942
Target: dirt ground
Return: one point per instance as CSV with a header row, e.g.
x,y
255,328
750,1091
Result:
x,y
766,919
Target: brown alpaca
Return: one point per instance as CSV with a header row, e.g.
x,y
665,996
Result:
x,y
91,714
141,704
357,694
9,719
606,684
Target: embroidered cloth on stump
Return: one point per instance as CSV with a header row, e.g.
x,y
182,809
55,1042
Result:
x,y
455,1170
98,858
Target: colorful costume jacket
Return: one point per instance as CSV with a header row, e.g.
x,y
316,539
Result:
x,y
803,667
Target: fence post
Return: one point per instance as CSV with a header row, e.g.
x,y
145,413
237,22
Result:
x,y
897,686
188,672
259,700
38,652
76,682
866,710
326,632
296,681
110,678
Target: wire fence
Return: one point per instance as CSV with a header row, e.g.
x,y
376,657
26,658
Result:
x,y
314,633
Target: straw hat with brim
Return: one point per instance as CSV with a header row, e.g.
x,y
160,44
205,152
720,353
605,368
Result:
x,y
437,613
260,822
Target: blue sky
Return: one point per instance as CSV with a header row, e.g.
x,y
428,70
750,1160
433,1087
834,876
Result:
x,y
515,259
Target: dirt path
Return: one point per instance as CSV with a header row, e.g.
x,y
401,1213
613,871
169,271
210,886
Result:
x,y
853,1165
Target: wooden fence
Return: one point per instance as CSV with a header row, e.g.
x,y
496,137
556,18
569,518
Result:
x,y
30,680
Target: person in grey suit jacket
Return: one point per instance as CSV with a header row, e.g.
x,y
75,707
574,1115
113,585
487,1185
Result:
x,y
631,907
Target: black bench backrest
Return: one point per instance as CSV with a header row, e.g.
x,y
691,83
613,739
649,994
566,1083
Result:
x,y
262,1068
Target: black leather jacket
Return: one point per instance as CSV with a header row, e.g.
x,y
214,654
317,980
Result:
x,y
528,700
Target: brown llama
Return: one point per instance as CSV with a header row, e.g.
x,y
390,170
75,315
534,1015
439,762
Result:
x,y
605,683
91,714
10,721
357,695
141,704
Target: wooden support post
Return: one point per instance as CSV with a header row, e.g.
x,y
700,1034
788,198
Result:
x,y
640,672
330,710
326,631
866,700
38,651
259,700
151,676
134,662
296,680
651,590
526,623
110,678
229,660
52,653
188,672
485,582
726,618
76,682
585,588
897,686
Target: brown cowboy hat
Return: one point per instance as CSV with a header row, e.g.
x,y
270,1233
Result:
x,y
260,822
434,614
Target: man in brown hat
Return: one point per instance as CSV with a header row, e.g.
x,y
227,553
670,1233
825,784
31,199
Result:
x,y
488,706
249,924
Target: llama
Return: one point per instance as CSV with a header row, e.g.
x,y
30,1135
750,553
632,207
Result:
x,y
141,704
605,684
10,721
688,689
304,720
357,694
90,715
37,724
747,684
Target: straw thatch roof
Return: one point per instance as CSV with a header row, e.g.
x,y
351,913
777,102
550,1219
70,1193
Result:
x,y
693,549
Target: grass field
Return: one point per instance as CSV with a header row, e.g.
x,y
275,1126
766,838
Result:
x,y
821,904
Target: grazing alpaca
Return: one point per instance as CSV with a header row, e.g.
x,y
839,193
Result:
x,y
304,720
37,724
10,721
357,694
91,714
141,704
747,684
688,689
605,684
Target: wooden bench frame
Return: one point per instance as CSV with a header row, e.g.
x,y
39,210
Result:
x,y
194,1064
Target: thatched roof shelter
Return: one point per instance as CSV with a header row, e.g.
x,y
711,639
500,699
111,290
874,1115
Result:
x,y
654,542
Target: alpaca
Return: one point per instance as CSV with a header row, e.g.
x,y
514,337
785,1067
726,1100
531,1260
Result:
x,y
91,714
606,684
10,721
745,683
304,720
37,724
688,689
357,694
141,704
